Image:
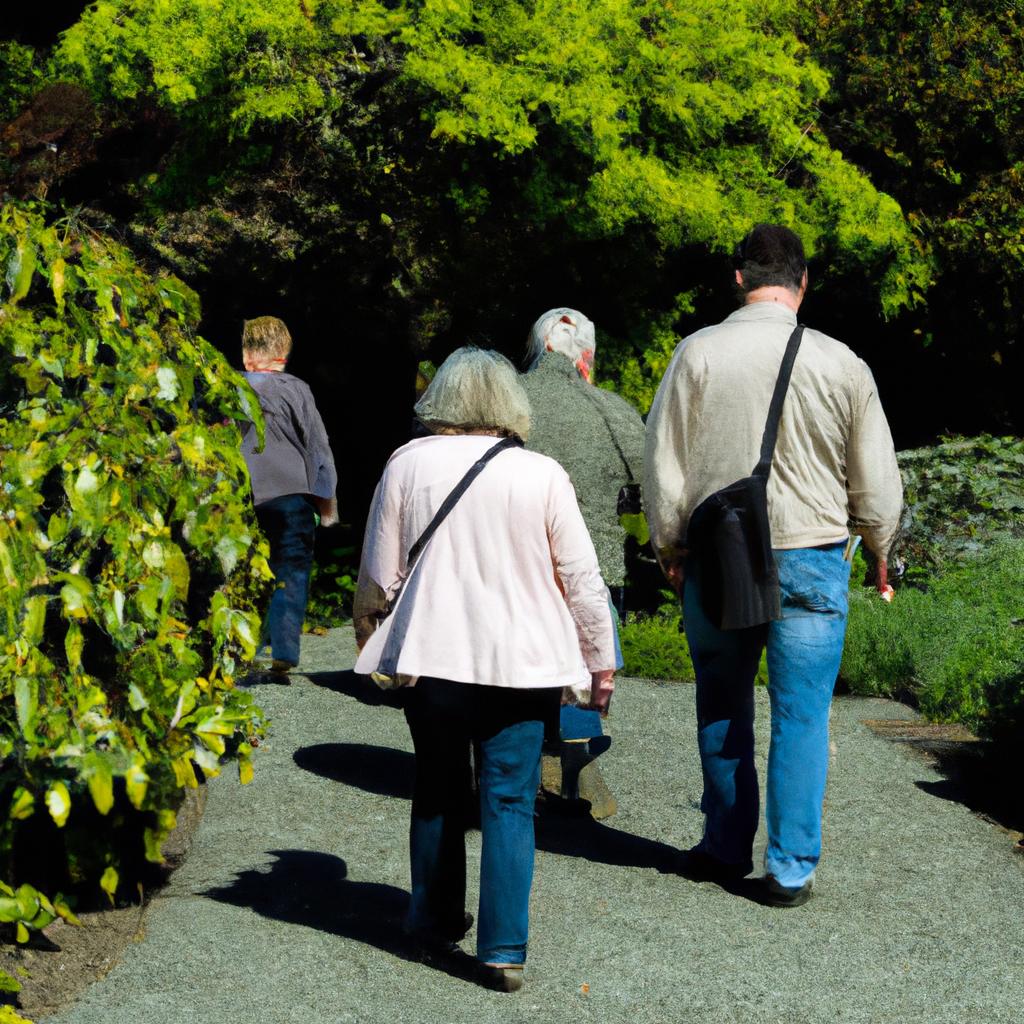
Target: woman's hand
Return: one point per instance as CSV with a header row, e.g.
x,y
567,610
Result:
x,y
602,686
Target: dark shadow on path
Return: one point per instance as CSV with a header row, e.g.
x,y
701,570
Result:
x,y
361,688
986,789
593,840
390,772
981,774
312,889
374,769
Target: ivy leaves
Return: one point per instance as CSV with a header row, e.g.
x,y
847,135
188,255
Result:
x,y
127,544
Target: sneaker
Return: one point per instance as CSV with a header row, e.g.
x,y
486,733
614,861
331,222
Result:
x,y
503,977
775,895
280,667
699,866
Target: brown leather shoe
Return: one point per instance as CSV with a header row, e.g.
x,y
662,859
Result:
x,y
503,977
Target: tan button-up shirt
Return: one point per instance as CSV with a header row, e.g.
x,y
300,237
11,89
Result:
x,y
834,468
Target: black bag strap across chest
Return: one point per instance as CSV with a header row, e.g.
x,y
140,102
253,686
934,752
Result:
x,y
771,427
456,492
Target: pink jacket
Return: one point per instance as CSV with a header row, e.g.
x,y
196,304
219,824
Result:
x,y
484,603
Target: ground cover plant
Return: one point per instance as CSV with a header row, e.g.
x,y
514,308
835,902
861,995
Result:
x,y
130,565
956,650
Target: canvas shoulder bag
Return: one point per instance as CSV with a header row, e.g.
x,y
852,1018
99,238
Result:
x,y
729,535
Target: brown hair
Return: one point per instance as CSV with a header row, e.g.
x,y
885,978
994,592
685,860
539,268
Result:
x,y
266,335
770,255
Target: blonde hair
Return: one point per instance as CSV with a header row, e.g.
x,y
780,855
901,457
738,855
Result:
x,y
476,389
266,335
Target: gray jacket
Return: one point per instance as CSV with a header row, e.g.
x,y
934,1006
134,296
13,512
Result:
x,y
598,438
296,457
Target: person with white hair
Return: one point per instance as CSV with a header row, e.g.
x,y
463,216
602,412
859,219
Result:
x,y
488,613
598,438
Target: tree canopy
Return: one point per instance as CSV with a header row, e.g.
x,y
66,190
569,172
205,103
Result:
x,y
694,120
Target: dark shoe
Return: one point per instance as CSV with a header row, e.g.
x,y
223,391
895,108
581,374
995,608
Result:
x,y
575,756
441,940
502,977
699,866
775,895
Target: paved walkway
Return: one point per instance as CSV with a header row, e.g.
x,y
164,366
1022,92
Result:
x,y
288,907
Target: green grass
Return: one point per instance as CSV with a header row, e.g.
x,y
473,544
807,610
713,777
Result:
x,y
956,649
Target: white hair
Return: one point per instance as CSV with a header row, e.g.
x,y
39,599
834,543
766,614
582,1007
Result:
x,y
476,389
561,330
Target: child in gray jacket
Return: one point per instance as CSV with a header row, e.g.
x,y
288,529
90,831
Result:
x,y
293,479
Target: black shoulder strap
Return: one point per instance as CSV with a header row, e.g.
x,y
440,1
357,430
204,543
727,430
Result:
x,y
457,491
771,427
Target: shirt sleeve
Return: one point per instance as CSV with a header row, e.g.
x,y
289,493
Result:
x,y
383,560
873,484
319,458
664,485
576,566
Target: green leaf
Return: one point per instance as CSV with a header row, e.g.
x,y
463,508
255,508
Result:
x,y
22,804
108,882
136,784
21,267
101,783
58,802
26,701
9,984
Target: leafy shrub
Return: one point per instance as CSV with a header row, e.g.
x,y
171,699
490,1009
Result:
x,y
129,561
653,647
332,586
960,495
957,649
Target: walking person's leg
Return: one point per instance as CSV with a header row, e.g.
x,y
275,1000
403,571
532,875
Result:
x,y
289,525
805,648
436,712
512,729
725,664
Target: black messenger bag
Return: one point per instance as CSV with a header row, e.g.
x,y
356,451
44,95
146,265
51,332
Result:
x,y
729,536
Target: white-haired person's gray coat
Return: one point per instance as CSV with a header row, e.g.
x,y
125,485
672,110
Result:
x,y
595,435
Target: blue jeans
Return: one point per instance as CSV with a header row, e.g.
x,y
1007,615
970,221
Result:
x,y
804,650
289,525
444,719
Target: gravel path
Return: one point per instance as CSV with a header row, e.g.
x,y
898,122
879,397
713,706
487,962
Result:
x,y
288,907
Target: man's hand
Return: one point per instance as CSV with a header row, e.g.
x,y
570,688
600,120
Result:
x,y
602,686
882,580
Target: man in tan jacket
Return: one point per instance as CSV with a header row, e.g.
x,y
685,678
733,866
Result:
x,y
834,469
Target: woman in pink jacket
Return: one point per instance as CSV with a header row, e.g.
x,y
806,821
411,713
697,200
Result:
x,y
502,608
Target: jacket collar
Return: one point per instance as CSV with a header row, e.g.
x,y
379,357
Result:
x,y
762,312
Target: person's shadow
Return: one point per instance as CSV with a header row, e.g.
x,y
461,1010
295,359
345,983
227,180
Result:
x,y
359,687
390,772
312,889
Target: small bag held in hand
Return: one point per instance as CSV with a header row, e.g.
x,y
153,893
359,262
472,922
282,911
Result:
x,y
730,537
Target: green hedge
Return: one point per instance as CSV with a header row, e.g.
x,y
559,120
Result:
x,y
956,649
130,563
